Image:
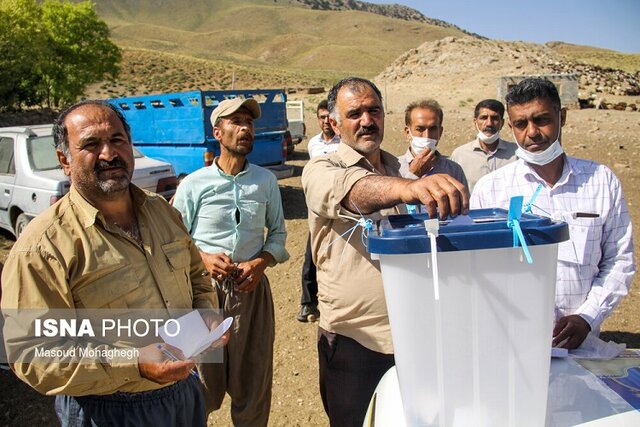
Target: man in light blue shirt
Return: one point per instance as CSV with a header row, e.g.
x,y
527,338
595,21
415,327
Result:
x,y
226,207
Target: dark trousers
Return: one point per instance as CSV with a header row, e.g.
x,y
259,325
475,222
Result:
x,y
309,283
349,374
180,404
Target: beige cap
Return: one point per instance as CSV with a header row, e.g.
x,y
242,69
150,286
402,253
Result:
x,y
230,106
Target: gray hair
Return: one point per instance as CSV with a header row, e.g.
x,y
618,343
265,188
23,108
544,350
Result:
x,y
355,84
61,133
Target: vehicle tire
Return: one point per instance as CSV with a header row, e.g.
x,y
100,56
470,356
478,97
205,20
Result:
x,y
290,149
21,223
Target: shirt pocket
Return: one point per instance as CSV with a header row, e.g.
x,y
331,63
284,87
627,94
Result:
x,y
178,256
583,246
253,214
119,288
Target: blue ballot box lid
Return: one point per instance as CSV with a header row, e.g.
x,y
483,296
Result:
x,y
482,229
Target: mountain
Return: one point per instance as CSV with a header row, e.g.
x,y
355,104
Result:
x,y
280,33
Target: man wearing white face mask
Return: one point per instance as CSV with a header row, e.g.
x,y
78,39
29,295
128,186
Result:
x,y
423,129
596,266
488,151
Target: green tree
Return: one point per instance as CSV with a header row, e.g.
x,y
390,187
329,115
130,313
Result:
x,y
80,51
22,44
50,51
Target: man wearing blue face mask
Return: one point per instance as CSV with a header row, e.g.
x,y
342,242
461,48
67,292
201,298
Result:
x,y
488,151
596,265
423,129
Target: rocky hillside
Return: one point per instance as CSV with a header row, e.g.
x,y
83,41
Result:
x,y
462,71
389,10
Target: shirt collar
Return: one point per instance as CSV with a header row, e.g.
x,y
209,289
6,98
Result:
x,y
88,214
351,157
568,170
502,145
222,173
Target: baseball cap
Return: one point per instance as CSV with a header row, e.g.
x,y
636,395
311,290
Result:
x,y
230,106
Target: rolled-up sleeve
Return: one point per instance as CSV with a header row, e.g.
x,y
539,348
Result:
x,y
276,232
326,183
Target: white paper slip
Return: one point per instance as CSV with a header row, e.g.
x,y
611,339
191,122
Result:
x,y
193,336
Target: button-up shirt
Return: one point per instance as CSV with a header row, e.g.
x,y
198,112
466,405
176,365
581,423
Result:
x,y
442,165
350,293
596,266
229,213
70,258
318,146
476,163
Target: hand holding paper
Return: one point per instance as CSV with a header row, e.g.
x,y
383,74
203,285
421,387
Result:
x,y
193,336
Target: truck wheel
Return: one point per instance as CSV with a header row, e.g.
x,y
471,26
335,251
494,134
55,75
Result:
x,y
21,223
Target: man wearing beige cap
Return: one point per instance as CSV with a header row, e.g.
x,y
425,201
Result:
x,y
226,207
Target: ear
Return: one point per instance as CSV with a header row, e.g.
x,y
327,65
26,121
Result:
x,y
563,116
441,132
217,133
501,123
407,133
334,126
64,162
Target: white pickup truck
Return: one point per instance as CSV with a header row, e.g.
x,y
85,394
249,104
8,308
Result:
x,y
297,128
31,179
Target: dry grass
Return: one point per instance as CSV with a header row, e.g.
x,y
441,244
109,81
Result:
x,y
605,58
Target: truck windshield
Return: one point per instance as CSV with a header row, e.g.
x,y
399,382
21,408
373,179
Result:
x,y
42,153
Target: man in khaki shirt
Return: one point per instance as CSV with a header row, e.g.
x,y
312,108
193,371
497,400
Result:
x,y
106,245
354,339
488,151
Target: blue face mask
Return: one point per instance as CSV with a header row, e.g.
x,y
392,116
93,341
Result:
x,y
545,157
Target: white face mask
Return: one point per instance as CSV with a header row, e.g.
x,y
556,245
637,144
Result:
x,y
488,139
419,144
545,157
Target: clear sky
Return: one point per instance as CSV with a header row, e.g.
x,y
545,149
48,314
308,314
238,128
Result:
x,y
610,24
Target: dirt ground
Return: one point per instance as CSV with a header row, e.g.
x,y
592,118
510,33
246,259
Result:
x,y
609,137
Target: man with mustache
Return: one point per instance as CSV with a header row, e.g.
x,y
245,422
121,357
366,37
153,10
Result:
x,y
488,151
423,130
596,266
358,181
227,207
112,246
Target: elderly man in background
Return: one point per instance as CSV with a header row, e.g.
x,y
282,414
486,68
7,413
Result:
x,y
105,245
354,338
233,211
596,266
423,129
488,151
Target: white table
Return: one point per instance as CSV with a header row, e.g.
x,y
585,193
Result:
x,y
577,397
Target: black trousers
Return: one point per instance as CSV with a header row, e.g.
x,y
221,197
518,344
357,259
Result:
x,y
349,374
309,283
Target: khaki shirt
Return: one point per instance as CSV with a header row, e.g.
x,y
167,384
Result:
x,y
350,294
476,163
69,258
442,165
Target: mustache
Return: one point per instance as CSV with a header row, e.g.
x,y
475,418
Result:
x,y
489,129
117,162
369,130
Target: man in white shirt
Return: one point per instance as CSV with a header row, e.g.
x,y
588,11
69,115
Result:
x,y
320,145
326,141
488,151
596,266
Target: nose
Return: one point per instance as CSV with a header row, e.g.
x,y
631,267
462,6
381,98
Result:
x,y
366,119
107,152
532,130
